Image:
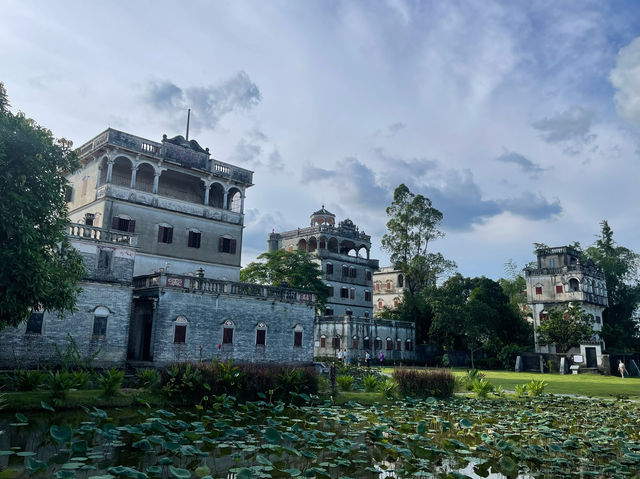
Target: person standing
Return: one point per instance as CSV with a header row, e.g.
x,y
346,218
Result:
x,y
339,356
622,369
381,357
367,359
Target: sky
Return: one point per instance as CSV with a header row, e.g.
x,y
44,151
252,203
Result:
x,y
518,119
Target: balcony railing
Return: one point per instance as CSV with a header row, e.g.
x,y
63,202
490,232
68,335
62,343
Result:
x,y
214,286
343,258
326,230
156,150
87,232
578,268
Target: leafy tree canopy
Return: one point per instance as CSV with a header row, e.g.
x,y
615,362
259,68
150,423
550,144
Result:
x,y
292,269
566,328
39,269
620,329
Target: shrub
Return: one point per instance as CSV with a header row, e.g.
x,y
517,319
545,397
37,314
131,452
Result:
x,y
482,387
507,356
60,383
468,379
388,388
536,387
80,378
499,391
521,390
345,382
424,383
370,383
148,378
110,382
25,380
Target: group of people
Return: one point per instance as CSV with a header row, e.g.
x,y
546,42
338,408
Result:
x,y
344,358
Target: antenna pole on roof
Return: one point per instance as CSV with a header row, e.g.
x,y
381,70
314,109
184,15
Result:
x,y
188,118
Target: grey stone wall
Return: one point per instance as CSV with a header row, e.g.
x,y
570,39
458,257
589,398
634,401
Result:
x,y
19,349
206,315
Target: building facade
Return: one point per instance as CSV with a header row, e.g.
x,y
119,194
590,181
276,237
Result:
x,y
159,226
347,323
557,279
388,288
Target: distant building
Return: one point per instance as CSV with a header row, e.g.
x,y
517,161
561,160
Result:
x,y
159,226
346,324
388,288
558,279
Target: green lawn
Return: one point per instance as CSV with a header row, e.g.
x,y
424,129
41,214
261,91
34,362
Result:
x,y
582,384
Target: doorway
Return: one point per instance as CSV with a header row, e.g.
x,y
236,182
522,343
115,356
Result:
x,y
592,361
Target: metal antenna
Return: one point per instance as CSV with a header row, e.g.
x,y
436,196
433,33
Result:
x,y
188,118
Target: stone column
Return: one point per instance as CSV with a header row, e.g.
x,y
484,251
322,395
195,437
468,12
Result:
x,y
224,201
110,169
133,177
242,210
98,177
207,189
156,179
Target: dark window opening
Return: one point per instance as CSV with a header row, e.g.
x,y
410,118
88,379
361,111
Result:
x,y
367,295
335,343
323,342
328,312
389,344
538,289
378,343
261,336
367,343
297,339
344,293
180,334
165,234
68,194
558,288
88,219
227,245
366,314
99,326
330,291
368,275
329,268
105,259
345,271
353,272
194,239
227,336
408,345
352,293
355,343
34,323
349,312
123,224
400,280
399,344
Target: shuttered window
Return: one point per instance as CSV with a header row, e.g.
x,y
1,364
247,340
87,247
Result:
x,y
123,224
227,245
180,334
297,339
194,239
261,335
227,336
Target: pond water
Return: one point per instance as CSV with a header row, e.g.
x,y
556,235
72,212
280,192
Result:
x,y
541,437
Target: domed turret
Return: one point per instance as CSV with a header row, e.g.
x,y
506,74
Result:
x,y
323,217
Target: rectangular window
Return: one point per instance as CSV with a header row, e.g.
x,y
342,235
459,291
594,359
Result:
x,y
194,239
335,343
68,194
227,245
344,293
165,234
353,272
323,342
123,224
88,219
598,320
227,336
389,345
329,268
378,343
352,294
261,335
367,343
180,334
345,271
538,289
355,343
367,295
297,339
368,275
99,326
408,345
558,288
388,285
34,324
377,286
105,259
330,291
328,312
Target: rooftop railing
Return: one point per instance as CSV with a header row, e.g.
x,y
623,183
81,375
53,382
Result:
x,y
215,286
577,268
326,229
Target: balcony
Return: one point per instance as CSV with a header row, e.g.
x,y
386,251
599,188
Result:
x,y
171,204
578,268
323,230
168,152
343,258
159,281
92,233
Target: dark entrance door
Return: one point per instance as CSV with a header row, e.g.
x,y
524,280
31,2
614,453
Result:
x,y
591,357
147,324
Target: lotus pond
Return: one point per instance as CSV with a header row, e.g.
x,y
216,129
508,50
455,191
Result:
x,y
543,437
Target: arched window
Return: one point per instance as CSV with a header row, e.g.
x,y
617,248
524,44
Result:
x,y
366,343
261,334
378,342
408,345
227,332
348,312
297,336
323,341
574,285
329,268
389,344
100,315
395,302
380,304
399,344
355,342
180,330
388,285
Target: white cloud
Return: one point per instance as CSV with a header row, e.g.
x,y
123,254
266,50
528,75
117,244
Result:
x,y
625,78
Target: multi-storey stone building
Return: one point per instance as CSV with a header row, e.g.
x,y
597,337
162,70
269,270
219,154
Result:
x,y
347,323
388,288
559,278
159,226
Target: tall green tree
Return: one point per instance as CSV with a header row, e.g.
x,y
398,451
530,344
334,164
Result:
x,y
566,328
620,329
293,269
39,269
413,224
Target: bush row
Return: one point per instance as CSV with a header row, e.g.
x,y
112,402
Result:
x,y
188,383
425,383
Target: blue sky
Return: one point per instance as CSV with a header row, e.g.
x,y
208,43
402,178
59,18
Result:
x,y
518,119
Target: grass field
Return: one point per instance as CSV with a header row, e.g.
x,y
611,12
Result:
x,y
581,384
